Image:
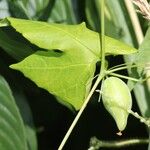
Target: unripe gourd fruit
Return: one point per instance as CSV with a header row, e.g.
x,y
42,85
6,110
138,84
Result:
x,y
117,100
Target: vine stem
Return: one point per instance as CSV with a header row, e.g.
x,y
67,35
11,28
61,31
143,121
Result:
x,y
100,77
142,119
122,68
129,78
102,37
80,112
125,77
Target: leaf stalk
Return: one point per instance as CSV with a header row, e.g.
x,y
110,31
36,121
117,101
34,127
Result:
x,y
100,77
79,113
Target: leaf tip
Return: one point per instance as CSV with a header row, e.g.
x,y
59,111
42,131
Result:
x,y
83,24
13,66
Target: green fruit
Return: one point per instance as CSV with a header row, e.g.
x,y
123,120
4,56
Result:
x,y
117,100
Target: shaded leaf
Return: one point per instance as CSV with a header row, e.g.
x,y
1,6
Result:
x,y
122,23
17,9
12,133
14,47
143,91
26,115
22,104
63,12
4,11
116,27
31,137
27,9
144,51
92,15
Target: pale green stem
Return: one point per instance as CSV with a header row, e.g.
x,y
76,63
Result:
x,y
126,66
123,68
80,113
129,78
102,42
124,77
120,65
102,36
146,121
95,84
96,144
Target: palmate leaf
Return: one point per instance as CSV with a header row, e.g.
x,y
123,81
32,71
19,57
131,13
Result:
x,y
12,135
66,74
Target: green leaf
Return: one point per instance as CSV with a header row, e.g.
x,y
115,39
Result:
x,y
63,75
66,74
66,37
11,125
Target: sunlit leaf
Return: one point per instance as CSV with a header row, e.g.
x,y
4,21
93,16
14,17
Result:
x,y
66,73
67,37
